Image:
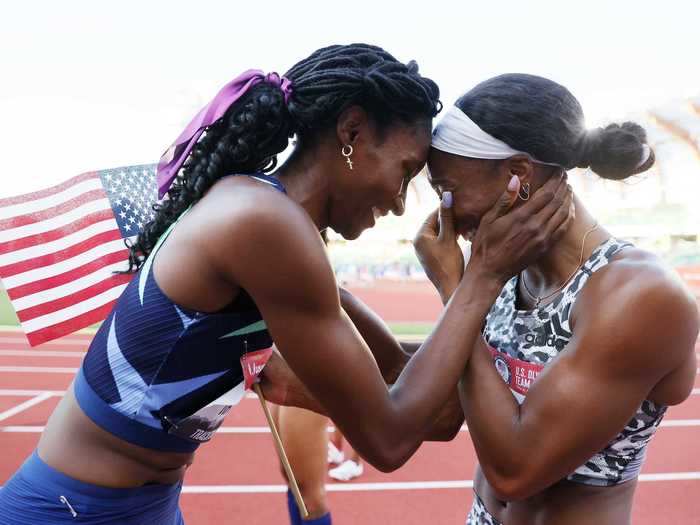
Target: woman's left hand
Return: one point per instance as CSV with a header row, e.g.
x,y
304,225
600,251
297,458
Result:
x,y
437,249
281,386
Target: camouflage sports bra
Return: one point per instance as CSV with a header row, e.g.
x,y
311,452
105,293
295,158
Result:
x,y
523,343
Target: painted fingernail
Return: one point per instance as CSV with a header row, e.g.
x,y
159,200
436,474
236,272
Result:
x,y
513,184
446,199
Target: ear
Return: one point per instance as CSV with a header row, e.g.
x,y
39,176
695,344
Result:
x,y
352,122
521,166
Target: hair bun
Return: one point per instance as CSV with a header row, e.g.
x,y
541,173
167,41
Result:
x,y
616,151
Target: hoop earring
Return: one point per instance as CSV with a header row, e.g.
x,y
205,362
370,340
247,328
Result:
x,y
524,192
346,151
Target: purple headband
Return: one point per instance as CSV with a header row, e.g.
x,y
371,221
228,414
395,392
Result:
x,y
171,161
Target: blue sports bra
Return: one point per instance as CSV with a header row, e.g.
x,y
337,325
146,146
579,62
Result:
x,y
162,376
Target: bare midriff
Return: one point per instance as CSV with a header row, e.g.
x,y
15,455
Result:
x,y
74,445
565,503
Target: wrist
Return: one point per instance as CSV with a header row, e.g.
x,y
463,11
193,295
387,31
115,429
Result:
x,y
446,291
487,283
445,284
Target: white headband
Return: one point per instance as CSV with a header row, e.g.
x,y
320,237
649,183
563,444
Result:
x,y
456,133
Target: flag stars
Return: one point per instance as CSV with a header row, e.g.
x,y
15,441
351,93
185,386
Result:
x,y
133,193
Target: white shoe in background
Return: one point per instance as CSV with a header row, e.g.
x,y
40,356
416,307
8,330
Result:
x,y
335,456
346,471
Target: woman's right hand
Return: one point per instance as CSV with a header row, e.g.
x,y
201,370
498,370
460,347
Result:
x,y
438,251
506,241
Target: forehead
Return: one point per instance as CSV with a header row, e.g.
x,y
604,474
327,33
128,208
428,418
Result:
x,y
411,142
444,167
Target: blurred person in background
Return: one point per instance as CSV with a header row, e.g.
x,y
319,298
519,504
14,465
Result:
x,y
348,464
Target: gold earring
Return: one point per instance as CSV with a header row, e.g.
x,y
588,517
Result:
x,y
346,151
524,191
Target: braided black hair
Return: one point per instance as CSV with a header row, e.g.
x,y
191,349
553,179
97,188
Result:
x,y
539,116
259,125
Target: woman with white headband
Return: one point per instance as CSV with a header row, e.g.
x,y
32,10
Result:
x,y
586,347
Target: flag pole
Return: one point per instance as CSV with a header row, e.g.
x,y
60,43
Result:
x,y
281,453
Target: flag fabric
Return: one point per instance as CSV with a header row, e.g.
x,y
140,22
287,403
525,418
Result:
x,y
60,247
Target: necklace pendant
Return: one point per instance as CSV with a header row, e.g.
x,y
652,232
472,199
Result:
x,y
349,162
537,302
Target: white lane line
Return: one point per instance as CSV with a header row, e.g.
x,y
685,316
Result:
x,y
680,423
19,393
39,369
266,430
41,353
395,485
24,406
29,429
331,487
23,429
670,476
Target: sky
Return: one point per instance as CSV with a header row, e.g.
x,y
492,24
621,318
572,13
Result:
x,y
87,85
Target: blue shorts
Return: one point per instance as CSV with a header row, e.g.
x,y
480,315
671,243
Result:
x,y
40,495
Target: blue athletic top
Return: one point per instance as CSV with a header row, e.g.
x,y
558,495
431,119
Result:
x,y
162,376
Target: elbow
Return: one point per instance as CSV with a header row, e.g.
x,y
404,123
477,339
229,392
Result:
x,y
388,461
511,486
510,490
387,466
445,433
388,458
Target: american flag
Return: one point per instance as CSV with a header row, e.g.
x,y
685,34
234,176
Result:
x,y
60,247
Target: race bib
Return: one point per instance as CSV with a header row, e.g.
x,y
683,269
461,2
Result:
x,y
518,374
203,424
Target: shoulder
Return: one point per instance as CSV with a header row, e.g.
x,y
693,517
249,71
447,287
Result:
x,y
640,277
242,222
257,235
240,211
241,203
643,304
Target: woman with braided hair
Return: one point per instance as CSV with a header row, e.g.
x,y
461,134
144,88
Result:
x,y
233,260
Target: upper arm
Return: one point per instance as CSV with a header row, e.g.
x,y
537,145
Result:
x,y
280,260
620,350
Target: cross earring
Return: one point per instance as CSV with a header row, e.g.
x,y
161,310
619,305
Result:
x,y
346,151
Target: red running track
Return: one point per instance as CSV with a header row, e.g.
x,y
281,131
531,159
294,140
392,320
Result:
x,y
237,473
